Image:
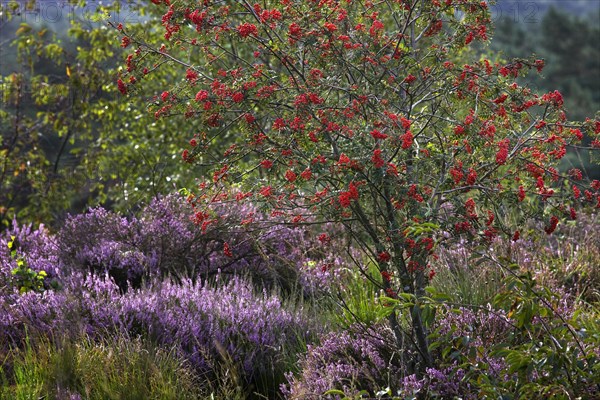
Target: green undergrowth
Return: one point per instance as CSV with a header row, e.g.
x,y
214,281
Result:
x,y
113,368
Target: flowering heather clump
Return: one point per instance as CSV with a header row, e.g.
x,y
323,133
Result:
x,y
272,252
471,334
30,313
484,326
92,304
166,241
353,360
100,241
498,350
204,323
36,246
140,276
84,304
254,330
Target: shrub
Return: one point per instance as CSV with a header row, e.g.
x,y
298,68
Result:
x,y
36,313
208,323
370,114
165,241
85,304
532,342
351,361
101,241
119,275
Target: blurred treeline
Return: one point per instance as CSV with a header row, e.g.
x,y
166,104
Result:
x,y
568,39
70,140
570,46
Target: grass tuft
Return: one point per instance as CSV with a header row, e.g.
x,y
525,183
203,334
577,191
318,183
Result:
x,y
115,368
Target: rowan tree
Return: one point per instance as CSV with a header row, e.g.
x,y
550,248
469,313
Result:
x,y
362,112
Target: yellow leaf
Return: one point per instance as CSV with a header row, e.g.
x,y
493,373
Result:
x,y
24,28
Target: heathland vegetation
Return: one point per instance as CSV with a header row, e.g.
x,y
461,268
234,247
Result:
x,y
299,200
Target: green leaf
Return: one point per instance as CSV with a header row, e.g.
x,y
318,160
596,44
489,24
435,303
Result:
x,y
389,301
23,29
335,391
